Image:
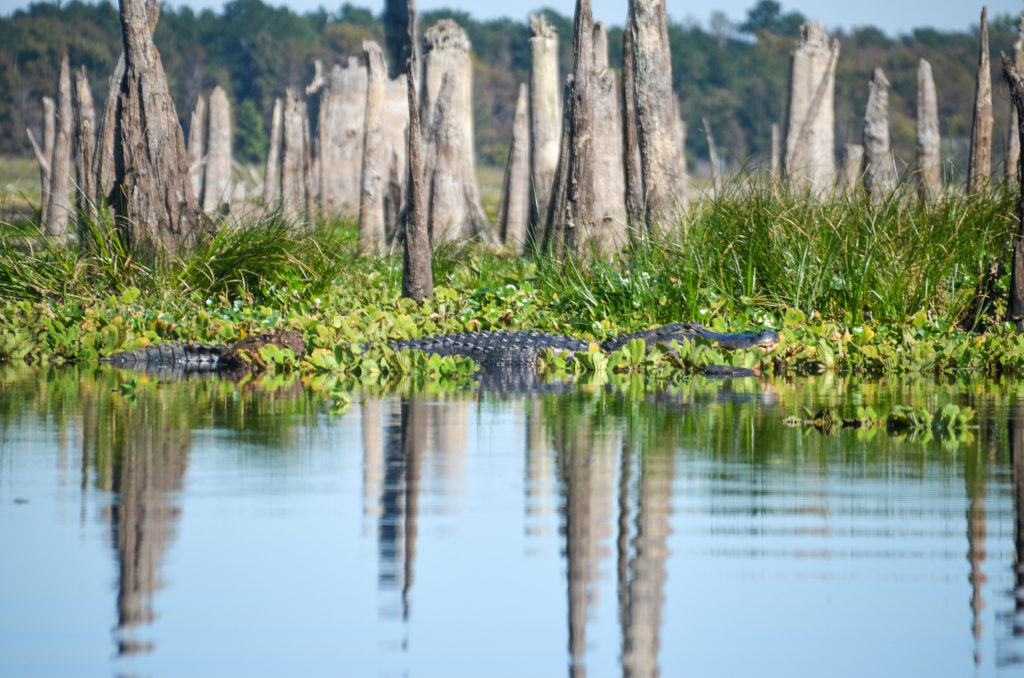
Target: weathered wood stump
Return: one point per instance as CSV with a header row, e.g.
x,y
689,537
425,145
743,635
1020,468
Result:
x,y
545,117
979,166
810,133
217,177
879,170
61,205
371,201
928,161
514,205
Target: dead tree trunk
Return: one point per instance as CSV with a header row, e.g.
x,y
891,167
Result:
x,y
340,126
59,210
545,117
980,165
1015,303
44,155
453,202
217,179
662,166
103,159
295,155
852,169
514,206
810,135
417,275
929,180
1013,143
716,178
371,202
395,128
195,147
879,171
84,143
153,198
609,233
571,215
271,174
630,144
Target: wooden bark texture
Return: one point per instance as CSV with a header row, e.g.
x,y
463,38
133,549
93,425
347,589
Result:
x,y
979,166
662,166
810,133
272,171
852,169
295,156
609,232
630,142
1015,304
395,128
514,205
928,160
371,201
879,170
153,197
545,116
1013,143
195,145
217,178
60,207
103,158
417,275
84,143
453,201
340,130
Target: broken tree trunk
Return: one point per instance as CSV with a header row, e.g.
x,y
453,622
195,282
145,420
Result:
x,y
395,128
851,171
979,167
609,233
662,166
1015,303
929,180
271,174
453,202
152,195
716,178
514,206
340,126
84,143
195,147
1013,143
810,134
371,201
417,275
44,155
879,170
217,177
571,214
103,158
545,117
295,156
61,204
630,144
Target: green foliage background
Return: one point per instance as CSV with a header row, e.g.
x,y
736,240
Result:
x,y
735,75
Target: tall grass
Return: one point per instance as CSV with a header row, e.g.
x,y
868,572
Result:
x,y
764,247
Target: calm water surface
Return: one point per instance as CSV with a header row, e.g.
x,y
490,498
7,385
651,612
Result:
x,y
208,528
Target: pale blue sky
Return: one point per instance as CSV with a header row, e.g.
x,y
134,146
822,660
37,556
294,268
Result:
x,y
891,16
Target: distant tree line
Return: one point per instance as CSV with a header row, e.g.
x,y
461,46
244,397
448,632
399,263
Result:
x,y
734,75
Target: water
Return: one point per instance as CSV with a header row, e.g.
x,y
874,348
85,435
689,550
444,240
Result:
x,y
208,528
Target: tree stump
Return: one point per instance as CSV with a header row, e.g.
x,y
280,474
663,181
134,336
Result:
x,y
609,233
44,155
852,169
295,156
417,275
1013,143
774,161
371,202
514,205
271,173
929,163
630,143
1015,304
103,158
340,127
810,134
879,170
217,177
58,213
453,202
662,166
545,117
152,195
84,144
195,145
979,167
395,128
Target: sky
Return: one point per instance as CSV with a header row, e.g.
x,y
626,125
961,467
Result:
x,y
892,16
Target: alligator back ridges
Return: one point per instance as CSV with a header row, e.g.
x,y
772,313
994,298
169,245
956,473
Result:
x,y
174,353
491,349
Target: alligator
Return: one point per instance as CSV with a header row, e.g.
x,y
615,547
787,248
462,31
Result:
x,y
497,350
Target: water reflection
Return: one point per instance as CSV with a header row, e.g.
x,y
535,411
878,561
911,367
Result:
x,y
631,491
